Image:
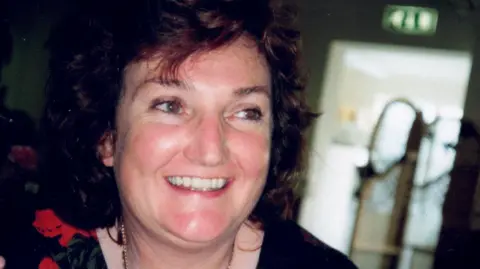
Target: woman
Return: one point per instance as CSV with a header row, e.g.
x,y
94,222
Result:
x,y
176,129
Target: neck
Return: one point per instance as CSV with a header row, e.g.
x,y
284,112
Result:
x,y
147,251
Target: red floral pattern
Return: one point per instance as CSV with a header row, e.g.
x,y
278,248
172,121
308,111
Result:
x,y
48,263
71,239
49,225
24,156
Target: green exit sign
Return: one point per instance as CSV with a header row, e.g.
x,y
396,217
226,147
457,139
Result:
x,y
410,20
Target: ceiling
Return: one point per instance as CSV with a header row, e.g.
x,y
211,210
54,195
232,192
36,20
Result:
x,y
385,61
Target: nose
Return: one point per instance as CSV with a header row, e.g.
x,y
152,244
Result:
x,y
207,146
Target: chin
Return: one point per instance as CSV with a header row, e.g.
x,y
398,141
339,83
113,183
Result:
x,y
199,227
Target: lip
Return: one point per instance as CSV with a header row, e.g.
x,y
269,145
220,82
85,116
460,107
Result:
x,y
207,194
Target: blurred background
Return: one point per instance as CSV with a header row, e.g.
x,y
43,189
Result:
x,y
392,179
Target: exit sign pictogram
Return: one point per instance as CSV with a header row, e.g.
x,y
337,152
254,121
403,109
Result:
x,y
410,20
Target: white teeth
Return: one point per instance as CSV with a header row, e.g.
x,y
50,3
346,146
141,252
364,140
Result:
x,y
198,184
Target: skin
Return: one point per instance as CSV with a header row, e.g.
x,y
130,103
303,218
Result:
x,y
213,121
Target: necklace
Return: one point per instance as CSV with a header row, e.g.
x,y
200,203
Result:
x,y
124,250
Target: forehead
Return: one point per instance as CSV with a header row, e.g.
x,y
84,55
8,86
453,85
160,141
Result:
x,y
237,65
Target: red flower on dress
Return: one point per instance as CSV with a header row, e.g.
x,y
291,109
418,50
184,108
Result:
x,y
24,156
48,263
49,225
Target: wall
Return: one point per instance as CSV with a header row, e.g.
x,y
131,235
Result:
x,y
26,74
325,21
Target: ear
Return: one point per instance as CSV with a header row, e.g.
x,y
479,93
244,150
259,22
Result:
x,y
106,149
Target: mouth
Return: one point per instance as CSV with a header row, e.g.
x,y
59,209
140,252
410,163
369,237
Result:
x,y
197,183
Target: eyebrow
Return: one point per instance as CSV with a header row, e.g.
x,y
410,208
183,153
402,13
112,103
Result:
x,y
181,85
259,89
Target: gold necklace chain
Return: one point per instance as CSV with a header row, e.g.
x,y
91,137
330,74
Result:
x,y
124,249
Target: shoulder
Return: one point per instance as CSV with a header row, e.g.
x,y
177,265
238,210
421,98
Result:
x,y
287,245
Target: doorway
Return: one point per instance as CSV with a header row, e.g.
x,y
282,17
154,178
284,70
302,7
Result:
x,y
360,79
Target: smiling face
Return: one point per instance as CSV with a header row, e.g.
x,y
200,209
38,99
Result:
x,y
191,155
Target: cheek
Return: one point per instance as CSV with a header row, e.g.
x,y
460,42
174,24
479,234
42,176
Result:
x,y
252,153
149,147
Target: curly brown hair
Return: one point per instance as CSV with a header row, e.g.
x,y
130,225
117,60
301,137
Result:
x,y
89,51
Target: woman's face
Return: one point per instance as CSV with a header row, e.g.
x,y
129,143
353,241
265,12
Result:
x,y
191,155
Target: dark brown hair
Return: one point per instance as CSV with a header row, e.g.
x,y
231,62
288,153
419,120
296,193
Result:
x,y
89,52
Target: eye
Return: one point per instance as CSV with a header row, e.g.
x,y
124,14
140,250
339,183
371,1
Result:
x,y
168,106
253,114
